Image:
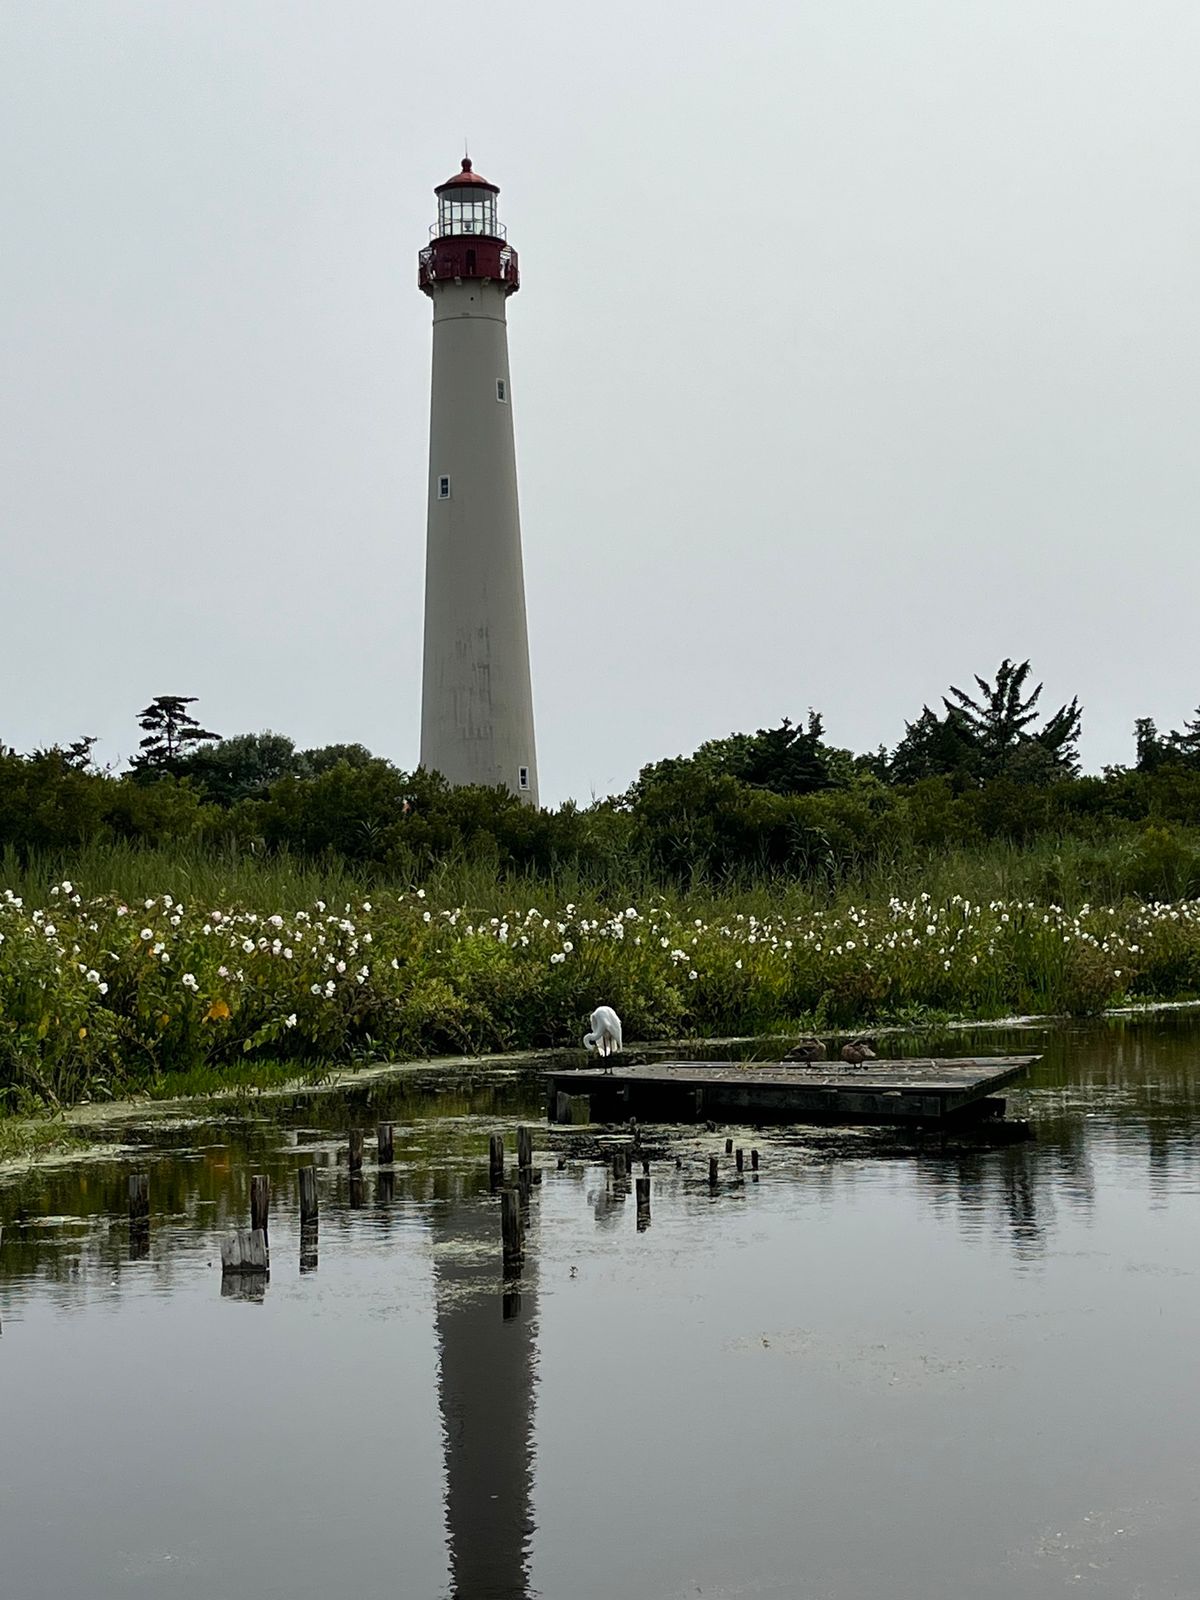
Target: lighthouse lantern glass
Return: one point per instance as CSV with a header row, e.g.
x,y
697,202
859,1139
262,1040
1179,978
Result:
x,y
460,212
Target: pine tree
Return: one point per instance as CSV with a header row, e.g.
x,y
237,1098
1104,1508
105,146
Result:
x,y
170,733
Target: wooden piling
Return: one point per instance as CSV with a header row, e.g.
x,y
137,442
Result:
x,y
524,1147
308,1194
643,1198
385,1138
511,1230
245,1251
712,1172
260,1202
356,1149
139,1199
562,1106
646,1165
729,1147
620,1170
739,1157
754,1161
496,1159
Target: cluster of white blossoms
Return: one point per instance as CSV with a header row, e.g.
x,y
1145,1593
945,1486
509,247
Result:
x,y
160,960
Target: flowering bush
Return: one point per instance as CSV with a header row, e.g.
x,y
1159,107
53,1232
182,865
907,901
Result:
x,y
97,994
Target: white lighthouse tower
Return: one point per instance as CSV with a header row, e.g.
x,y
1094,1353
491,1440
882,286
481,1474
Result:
x,y
476,696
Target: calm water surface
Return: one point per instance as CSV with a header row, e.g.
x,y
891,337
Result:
x,y
875,1373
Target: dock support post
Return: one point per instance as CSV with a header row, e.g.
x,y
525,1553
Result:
x,y
729,1147
496,1160
511,1230
139,1215
643,1204
712,1172
754,1161
524,1147
260,1203
356,1149
308,1194
739,1157
385,1138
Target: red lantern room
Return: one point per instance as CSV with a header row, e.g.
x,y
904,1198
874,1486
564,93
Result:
x,y
467,240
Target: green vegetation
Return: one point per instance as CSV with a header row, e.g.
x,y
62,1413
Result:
x,y
102,995
246,908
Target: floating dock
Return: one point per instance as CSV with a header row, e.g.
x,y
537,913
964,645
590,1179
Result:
x,y
924,1090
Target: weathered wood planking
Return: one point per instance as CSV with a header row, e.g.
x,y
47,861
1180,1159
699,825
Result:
x,y
923,1090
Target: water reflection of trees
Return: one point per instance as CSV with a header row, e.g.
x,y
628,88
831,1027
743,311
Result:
x,y
1121,1089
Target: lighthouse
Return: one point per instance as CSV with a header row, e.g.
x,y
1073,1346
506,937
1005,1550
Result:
x,y
476,695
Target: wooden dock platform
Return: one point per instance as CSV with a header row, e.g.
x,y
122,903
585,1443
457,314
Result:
x,y
921,1090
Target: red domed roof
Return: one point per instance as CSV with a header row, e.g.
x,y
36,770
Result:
x,y
466,179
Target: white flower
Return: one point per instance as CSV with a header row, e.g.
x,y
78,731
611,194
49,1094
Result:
x,y
222,972
248,946
567,947
556,958
420,894
147,933
738,963
189,982
290,1022
314,988
103,988
341,967
693,974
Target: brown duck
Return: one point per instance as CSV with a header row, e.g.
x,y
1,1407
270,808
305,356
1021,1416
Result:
x,y
808,1050
856,1052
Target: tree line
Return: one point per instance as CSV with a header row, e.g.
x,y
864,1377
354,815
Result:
x,y
986,765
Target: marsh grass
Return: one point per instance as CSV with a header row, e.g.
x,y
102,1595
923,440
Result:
x,y
175,972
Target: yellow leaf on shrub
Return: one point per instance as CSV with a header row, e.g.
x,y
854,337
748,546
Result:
x,y
83,1033
164,1019
217,1012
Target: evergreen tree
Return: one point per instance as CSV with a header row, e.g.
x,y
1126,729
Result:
x,y
171,733
1000,723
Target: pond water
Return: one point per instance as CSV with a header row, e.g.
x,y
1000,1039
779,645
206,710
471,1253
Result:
x,y
875,1371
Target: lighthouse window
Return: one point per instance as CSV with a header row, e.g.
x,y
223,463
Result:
x,y
443,488
523,778
470,213
501,390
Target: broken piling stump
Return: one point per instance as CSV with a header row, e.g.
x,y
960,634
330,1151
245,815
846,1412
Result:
x,y
356,1149
512,1231
245,1251
385,1139
308,1194
260,1202
496,1160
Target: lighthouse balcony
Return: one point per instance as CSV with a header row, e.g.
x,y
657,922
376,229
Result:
x,y
462,255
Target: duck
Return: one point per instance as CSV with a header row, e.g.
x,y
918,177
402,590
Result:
x,y
808,1049
856,1052
605,1037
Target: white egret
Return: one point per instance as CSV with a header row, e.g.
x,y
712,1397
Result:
x,y
605,1037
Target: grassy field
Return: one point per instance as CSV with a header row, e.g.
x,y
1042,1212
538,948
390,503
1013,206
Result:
x,y
129,969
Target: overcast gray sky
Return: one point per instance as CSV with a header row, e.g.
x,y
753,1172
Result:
x,y
856,348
